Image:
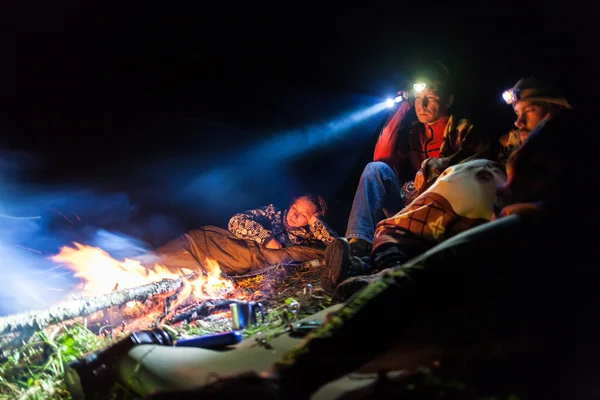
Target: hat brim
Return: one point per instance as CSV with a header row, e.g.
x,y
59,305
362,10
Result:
x,y
553,100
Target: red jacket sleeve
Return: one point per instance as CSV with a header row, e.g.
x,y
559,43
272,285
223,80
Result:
x,y
386,147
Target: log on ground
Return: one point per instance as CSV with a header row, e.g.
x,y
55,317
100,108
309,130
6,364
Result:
x,y
206,308
35,320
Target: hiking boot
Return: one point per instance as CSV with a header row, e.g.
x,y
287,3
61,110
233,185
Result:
x,y
340,264
360,248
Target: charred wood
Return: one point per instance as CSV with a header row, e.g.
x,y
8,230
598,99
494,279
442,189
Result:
x,y
35,320
203,310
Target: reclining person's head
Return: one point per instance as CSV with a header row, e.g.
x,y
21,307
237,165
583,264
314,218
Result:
x,y
533,101
433,92
303,207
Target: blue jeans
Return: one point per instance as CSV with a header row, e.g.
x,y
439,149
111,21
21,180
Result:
x,y
377,197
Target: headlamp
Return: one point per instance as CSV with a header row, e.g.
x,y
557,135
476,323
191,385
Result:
x,y
419,87
391,102
510,96
433,86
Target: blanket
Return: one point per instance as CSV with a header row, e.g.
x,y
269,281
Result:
x,y
460,199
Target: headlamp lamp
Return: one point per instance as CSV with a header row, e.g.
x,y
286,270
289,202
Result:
x,y
510,96
419,87
391,102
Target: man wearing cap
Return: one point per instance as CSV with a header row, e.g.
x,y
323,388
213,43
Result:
x,y
445,208
403,149
532,101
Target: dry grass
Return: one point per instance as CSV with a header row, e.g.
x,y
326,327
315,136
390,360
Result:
x,y
35,369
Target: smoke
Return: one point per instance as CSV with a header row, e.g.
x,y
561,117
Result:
x,y
35,222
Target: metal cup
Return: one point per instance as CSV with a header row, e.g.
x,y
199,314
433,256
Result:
x,y
237,316
251,311
244,314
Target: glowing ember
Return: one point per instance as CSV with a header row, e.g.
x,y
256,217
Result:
x,y
101,273
222,314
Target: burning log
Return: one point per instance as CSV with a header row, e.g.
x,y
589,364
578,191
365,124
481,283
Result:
x,y
35,320
206,308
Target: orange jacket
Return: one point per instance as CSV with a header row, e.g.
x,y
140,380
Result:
x,y
409,144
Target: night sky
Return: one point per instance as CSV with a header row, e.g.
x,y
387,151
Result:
x,y
141,98
123,124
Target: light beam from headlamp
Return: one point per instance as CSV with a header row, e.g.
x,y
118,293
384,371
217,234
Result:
x,y
223,181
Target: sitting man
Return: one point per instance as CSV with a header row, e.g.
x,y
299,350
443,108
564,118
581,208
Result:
x,y
510,282
256,238
532,101
416,228
461,198
404,146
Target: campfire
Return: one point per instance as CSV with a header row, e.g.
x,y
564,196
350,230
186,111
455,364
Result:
x,y
100,273
127,295
194,294
116,297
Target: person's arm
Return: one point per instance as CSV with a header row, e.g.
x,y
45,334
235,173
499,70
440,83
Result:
x,y
465,143
386,147
320,230
505,146
251,224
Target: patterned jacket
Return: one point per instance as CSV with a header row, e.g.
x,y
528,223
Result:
x,y
266,223
468,148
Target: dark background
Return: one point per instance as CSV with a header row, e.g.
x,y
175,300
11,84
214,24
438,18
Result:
x,y
141,99
123,124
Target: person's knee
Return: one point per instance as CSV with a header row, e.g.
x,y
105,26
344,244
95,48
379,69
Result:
x,y
377,169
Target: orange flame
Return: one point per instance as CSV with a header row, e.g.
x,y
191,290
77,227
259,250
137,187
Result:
x,y
101,273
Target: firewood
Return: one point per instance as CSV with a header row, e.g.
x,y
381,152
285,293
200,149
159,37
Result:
x,y
205,309
35,320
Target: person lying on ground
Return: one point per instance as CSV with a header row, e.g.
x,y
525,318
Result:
x,y
301,224
258,238
429,220
503,282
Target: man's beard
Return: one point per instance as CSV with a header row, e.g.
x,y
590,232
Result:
x,y
523,134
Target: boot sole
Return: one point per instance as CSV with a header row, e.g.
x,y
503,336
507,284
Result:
x,y
338,254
